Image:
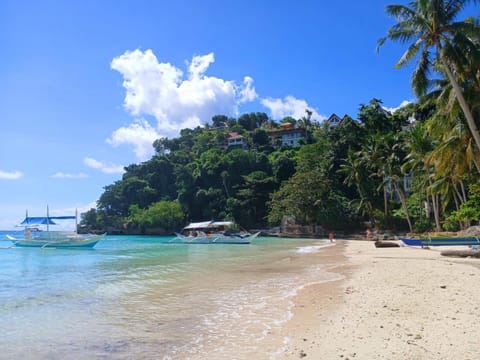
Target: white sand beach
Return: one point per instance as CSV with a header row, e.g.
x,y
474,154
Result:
x,y
395,303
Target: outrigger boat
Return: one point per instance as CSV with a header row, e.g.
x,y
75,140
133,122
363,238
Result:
x,y
213,232
442,241
34,236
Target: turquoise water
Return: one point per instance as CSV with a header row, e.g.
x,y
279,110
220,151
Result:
x,y
138,297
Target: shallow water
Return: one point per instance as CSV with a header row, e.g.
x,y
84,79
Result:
x,y
138,297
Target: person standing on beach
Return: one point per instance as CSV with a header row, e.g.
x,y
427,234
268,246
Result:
x,y
369,234
331,236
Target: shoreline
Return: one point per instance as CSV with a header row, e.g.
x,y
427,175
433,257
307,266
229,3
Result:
x,y
393,303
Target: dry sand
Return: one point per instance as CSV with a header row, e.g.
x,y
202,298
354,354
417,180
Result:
x,y
394,303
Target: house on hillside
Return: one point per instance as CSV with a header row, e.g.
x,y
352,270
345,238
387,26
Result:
x,y
406,184
234,139
286,135
335,120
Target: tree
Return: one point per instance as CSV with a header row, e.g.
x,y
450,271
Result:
x,y
219,121
89,220
252,121
431,24
419,145
356,173
163,214
252,197
470,210
283,164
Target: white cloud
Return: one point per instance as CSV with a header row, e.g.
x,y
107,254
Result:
x,y
105,168
200,64
140,135
62,175
10,175
176,101
90,162
248,92
290,106
402,104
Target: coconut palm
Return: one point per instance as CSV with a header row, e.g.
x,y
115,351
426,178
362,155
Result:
x,y
419,145
354,168
441,43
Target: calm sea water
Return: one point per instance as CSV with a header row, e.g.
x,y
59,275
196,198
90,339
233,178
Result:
x,y
138,297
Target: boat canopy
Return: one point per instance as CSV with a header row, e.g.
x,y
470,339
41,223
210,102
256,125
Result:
x,y
222,223
207,224
44,220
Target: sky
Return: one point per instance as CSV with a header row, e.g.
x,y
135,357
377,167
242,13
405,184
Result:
x,y
89,85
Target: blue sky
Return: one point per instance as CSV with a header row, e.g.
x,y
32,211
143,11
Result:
x,y
87,85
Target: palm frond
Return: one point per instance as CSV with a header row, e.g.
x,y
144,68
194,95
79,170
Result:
x,y
409,54
402,32
452,8
400,11
420,80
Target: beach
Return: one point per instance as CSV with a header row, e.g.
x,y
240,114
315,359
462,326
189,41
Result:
x,y
393,303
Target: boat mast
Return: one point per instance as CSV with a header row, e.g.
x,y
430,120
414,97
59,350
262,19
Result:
x,y
48,224
48,219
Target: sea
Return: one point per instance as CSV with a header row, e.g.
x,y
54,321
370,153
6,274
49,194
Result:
x,y
142,297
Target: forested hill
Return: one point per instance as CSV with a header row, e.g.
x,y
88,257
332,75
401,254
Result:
x,y
416,168
243,169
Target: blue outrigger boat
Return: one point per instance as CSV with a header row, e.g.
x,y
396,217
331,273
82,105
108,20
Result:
x,y
442,241
34,236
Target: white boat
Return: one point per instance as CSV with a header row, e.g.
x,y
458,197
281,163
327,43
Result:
x,y
213,232
35,236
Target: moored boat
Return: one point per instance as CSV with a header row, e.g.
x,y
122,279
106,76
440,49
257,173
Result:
x,y
213,232
35,236
441,241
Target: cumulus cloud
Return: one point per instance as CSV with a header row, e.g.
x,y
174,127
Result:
x,y
289,106
10,175
176,100
140,135
62,175
248,92
200,64
103,167
402,104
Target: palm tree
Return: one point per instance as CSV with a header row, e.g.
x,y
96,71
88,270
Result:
x,y
419,146
355,171
431,24
447,123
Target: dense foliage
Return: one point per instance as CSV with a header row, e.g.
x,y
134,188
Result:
x,y
416,168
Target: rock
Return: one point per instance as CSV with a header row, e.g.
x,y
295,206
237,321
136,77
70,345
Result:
x,y
382,244
461,253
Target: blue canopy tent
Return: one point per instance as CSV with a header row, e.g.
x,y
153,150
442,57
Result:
x,y
32,221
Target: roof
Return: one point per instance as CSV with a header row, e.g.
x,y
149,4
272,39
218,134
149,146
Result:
x,y
206,224
44,220
234,135
286,125
198,225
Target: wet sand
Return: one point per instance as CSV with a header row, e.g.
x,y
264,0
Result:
x,y
394,303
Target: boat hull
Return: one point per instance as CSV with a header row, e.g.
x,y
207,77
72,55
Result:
x,y
214,239
83,243
440,241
